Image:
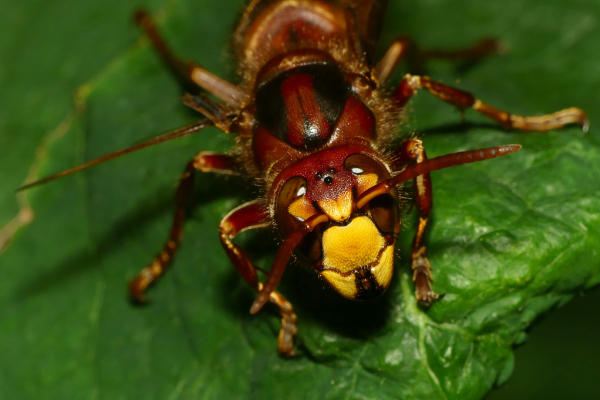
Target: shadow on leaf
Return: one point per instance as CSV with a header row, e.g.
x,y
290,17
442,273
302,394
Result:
x,y
156,206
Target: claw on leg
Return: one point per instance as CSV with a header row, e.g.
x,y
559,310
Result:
x,y
422,278
288,328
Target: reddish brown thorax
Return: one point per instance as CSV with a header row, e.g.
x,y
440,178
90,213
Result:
x,y
306,120
304,109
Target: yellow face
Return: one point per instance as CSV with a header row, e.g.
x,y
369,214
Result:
x,y
354,251
357,258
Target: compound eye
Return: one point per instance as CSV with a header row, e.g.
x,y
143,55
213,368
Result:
x,y
292,209
293,190
360,164
367,171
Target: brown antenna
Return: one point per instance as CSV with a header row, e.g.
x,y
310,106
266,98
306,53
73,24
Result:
x,y
434,164
178,133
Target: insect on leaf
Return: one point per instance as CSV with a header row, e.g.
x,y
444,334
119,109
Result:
x,y
511,238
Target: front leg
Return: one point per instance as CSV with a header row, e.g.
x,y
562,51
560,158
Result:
x,y
411,152
254,215
410,162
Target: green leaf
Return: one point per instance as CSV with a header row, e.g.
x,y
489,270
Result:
x,y
511,238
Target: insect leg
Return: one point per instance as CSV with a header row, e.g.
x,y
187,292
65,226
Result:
x,y
390,59
204,162
463,100
400,47
480,49
254,215
410,152
192,77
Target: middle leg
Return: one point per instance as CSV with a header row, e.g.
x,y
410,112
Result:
x,y
463,100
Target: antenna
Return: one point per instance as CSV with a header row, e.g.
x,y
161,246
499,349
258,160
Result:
x,y
178,133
